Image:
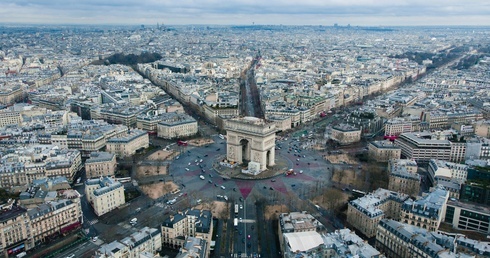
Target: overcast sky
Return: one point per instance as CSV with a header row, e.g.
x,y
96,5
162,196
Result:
x,y
287,12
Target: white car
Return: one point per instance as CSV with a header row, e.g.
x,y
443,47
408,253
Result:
x,y
223,187
301,171
201,177
225,197
186,169
241,207
95,239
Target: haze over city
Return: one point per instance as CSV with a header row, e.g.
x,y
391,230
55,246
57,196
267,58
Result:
x,y
245,129
241,12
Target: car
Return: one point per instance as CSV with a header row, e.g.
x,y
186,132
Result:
x,y
241,199
198,201
241,206
273,180
234,189
206,155
240,219
71,256
218,149
270,188
210,181
293,185
223,187
301,171
201,177
248,236
265,187
249,245
219,196
216,185
95,239
210,175
225,197
182,185
186,169
189,164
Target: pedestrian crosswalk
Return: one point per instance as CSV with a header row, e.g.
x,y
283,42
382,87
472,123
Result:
x,y
94,221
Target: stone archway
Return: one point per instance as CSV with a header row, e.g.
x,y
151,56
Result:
x,y
245,150
250,139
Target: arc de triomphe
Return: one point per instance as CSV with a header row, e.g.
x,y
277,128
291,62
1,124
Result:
x,y
251,139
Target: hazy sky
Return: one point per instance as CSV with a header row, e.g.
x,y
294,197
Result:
x,y
287,12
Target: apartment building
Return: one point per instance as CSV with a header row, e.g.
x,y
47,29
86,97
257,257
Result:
x,y
104,194
364,213
174,125
128,143
468,216
193,247
400,240
66,163
15,235
482,128
9,95
100,164
146,242
428,211
8,117
298,231
383,151
440,170
397,126
189,223
403,177
54,217
345,134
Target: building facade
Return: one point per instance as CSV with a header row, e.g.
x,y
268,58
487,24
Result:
x,y
104,194
100,164
426,212
127,144
383,151
174,126
345,134
365,213
403,177
190,223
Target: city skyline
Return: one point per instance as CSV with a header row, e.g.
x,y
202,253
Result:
x,y
239,12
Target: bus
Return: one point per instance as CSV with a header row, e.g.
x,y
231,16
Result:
x,y
236,208
235,222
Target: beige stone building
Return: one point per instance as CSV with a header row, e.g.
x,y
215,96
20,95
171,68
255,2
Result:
x,y
364,213
282,123
127,144
400,240
383,151
10,95
397,126
146,242
104,194
174,125
403,177
14,231
67,163
426,212
189,223
56,217
345,134
100,164
482,128
8,117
